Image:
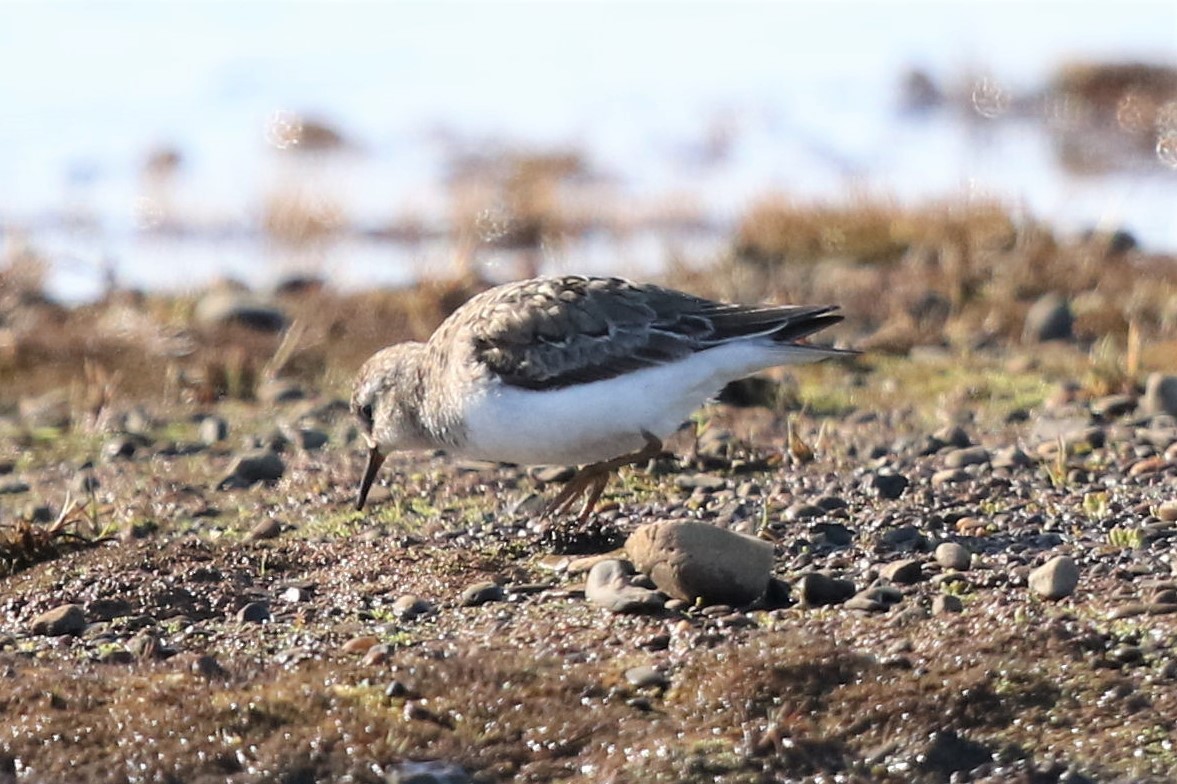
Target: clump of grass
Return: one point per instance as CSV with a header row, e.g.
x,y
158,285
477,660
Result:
x,y
24,543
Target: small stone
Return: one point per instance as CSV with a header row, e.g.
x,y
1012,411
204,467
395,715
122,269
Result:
x,y
972,455
708,483
377,655
254,612
295,594
13,486
228,306
107,609
951,555
817,589
609,585
887,486
802,511
410,606
835,534
360,645
691,560
482,593
645,676
1050,318
249,469
904,572
864,603
948,476
212,430
1148,465
265,529
945,603
1010,457
280,390
1160,394
549,474
65,619
431,772
1055,579
121,447
1112,406
953,435
1167,511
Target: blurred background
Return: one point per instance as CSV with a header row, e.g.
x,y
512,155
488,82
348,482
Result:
x,y
166,145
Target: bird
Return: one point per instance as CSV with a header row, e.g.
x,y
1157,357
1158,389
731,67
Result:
x,y
571,370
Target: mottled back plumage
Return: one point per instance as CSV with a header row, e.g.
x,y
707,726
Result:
x,y
549,333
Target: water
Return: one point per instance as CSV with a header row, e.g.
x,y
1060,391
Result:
x,y
803,93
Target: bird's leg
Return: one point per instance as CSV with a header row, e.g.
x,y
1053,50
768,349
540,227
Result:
x,y
590,481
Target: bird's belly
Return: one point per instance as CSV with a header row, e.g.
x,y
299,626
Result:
x,y
584,423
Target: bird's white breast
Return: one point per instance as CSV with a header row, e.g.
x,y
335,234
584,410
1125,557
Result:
x,y
585,423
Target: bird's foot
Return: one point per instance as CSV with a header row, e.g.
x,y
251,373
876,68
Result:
x,y
590,481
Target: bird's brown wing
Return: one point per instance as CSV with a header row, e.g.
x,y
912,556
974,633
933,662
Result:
x,y
549,333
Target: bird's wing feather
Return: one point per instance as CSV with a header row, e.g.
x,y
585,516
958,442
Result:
x,y
550,333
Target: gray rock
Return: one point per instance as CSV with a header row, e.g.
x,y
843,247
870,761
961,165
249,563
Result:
x,y
1010,457
945,603
254,612
972,455
409,607
1050,318
888,486
609,586
644,676
280,390
953,435
689,560
226,306
952,555
1111,406
66,619
1055,579
482,593
12,486
212,430
904,572
431,772
803,511
817,589
261,465
708,483
948,476
1160,394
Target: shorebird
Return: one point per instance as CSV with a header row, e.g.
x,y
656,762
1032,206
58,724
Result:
x,y
571,370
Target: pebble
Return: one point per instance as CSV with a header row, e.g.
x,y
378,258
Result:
x,y
692,560
952,555
13,486
361,644
802,511
1112,406
482,593
817,589
122,447
248,469
948,476
945,603
377,655
65,619
254,612
280,390
972,455
1055,579
1010,457
1050,318
708,483
645,676
835,534
430,772
609,586
409,607
1160,394
953,435
887,486
904,572
212,430
265,529
228,306
548,474
107,609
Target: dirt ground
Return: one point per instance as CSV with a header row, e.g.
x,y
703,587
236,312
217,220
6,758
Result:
x,y
169,613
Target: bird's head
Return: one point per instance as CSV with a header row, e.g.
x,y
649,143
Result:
x,y
378,404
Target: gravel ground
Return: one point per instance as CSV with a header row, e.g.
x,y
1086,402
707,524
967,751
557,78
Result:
x,y
971,563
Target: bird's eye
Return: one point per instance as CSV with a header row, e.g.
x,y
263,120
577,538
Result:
x,y
366,413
